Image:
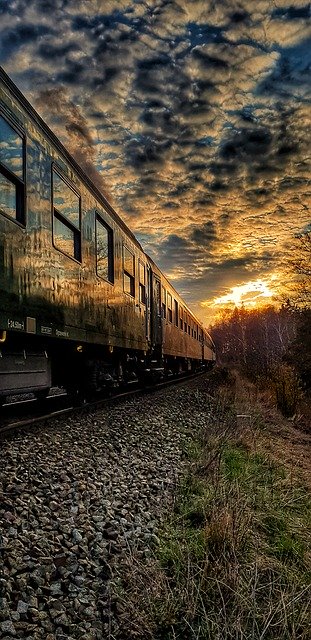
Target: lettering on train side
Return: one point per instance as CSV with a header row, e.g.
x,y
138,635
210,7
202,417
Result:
x,y
16,324
46,330
61,334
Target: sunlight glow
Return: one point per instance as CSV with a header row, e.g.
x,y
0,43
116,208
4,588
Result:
x,y
251,294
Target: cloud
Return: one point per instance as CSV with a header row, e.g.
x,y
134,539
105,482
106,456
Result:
x,y
205,234
79,141
191,113
23,34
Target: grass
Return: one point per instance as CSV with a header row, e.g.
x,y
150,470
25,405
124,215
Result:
x,y
234,557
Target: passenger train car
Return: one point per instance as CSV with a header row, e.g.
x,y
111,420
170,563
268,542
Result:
x,y
81,304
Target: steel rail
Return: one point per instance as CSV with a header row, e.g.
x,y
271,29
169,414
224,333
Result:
x,y
94,404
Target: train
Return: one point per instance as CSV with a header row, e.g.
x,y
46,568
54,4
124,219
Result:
x,y
82,306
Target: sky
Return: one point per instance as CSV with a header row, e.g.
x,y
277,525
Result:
x,y
193,116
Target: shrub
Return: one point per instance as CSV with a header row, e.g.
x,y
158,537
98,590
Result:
x,y
286,388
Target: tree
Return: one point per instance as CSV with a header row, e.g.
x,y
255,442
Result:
x,y
300,267
253,340
299,352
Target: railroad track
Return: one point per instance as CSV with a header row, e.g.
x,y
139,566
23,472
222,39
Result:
x,y
42,412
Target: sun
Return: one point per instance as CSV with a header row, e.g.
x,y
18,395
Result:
x,y
251,294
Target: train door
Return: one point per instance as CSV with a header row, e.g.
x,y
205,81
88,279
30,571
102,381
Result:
x,y
202,344
156,321
148,305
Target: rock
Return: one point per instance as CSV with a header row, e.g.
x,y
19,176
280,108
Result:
x,y
76,535
56,588
33,602
67,529
22,607
62,620
8,627
111,533
15,616
34,613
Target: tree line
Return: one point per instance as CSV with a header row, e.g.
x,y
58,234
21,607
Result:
x,y
256,340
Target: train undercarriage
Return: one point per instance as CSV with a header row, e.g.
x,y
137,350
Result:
x,y
83,370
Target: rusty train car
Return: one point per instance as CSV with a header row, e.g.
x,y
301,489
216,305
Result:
x,y
81,304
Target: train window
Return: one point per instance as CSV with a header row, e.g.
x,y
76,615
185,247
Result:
x,y
128,261
176,312
66,201
66,218
12,149
163,302
169,308
181,322
12,164
128,271
104,250
142,282
63,237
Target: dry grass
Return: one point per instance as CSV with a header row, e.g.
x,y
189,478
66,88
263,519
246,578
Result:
x,y
234,558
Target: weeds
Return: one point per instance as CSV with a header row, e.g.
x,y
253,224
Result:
x,y
233,560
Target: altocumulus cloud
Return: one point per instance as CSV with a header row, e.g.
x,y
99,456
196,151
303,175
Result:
x,y
191,114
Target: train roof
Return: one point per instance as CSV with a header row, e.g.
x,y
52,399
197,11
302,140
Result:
x,y
58,144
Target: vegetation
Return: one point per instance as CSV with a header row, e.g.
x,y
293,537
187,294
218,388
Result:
x,y
254,340
234,557
300,265
299,352
260,341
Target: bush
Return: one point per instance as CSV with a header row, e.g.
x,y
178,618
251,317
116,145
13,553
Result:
x,y
286,388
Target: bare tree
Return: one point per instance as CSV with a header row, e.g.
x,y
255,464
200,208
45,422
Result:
x,y
255,339
299,352
300,267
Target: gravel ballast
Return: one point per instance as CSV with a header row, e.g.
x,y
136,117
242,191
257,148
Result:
x,y
77,497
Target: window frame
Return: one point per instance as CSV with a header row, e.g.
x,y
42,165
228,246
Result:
x,y
169,308
59,216
163,302
142,287
181,318
99,219
176,312
20,184
129,275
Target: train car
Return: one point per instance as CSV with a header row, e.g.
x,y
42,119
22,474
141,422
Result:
x,y
81,305
179,333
